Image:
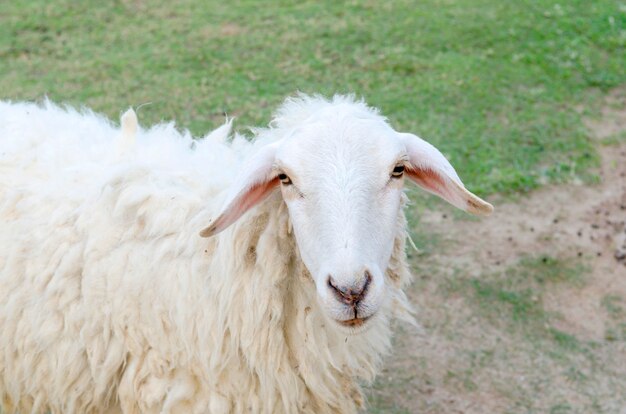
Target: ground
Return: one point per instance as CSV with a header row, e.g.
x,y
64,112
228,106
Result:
x,y
524,311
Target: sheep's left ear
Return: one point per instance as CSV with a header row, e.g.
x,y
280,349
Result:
x,y
255,182
429,169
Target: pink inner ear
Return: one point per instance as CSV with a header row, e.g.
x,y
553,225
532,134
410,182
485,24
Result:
x,y
254,195
428,179
433,182
243,203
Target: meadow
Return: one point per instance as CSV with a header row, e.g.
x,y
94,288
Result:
x,y
519,312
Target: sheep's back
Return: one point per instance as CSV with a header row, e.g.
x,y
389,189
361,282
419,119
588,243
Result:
x,y
83,228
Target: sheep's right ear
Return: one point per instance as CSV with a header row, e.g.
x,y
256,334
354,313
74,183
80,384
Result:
x,y
254,184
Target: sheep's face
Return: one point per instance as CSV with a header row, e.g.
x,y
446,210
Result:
x,y
342,182
341,172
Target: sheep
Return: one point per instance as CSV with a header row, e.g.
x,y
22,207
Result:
x,y
143,271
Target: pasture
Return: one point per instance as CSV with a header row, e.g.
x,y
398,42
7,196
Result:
x,y
522,312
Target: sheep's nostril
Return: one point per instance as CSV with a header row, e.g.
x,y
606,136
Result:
x,y
366,282
336,287
351,295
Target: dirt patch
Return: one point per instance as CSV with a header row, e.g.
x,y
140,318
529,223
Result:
x,y
465,364
230,29
612,120
224,30
564,221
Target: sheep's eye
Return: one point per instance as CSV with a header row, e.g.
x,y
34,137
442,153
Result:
x,y
284,179
398,171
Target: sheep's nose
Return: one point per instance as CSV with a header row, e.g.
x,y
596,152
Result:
x,y
351,294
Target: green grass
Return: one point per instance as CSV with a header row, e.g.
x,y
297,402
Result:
x,y
494,84
379,406
514,297
615,306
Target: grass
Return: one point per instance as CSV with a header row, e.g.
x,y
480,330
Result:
x,y
514,297
493,84
615,306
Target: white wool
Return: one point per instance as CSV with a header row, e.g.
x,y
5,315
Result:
x,y
111,302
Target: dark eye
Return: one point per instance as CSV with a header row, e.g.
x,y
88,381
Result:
x,y
398,171
284,179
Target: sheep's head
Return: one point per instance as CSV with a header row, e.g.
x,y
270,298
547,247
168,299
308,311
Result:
x,y
341,170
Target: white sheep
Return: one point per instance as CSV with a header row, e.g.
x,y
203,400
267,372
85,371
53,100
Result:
x,y
111,301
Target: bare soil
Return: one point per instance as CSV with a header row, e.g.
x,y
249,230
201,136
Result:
x,y
562,221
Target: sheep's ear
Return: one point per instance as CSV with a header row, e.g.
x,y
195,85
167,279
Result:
x,y
255,182
429,169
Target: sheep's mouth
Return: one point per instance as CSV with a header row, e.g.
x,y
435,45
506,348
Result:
x,y
354,322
